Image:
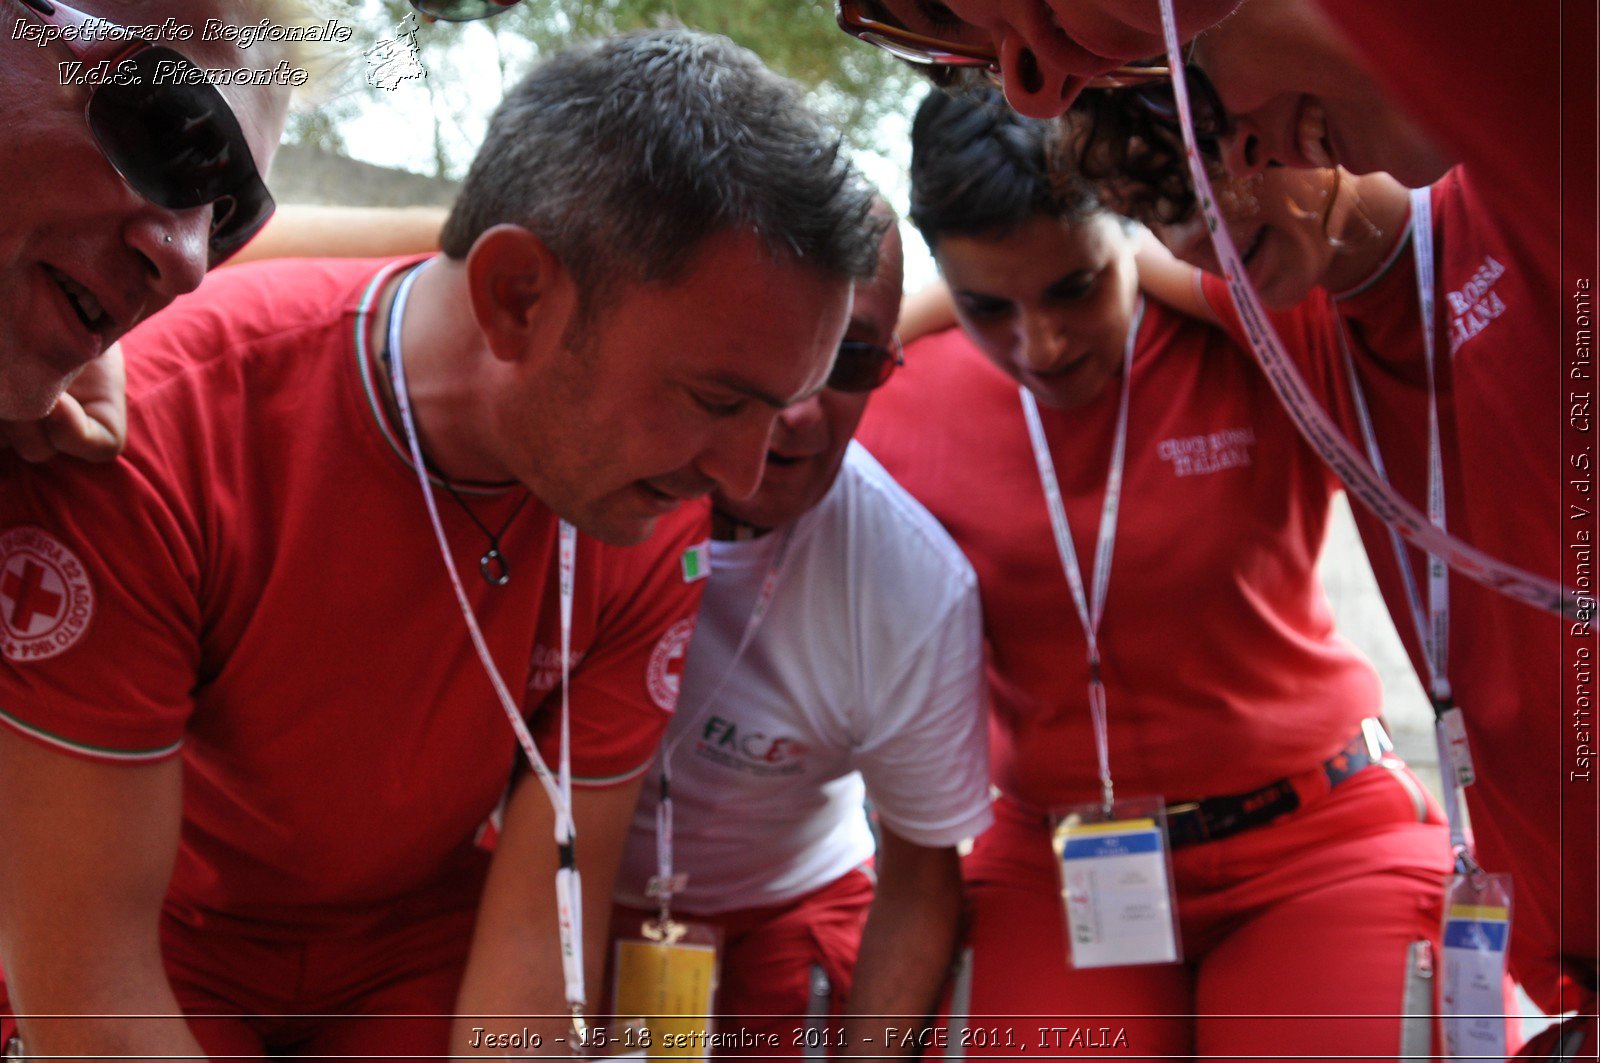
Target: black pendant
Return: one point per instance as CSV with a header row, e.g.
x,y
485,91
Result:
x,y
492,566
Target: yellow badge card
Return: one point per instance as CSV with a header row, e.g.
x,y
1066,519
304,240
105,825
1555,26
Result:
x,y
672,987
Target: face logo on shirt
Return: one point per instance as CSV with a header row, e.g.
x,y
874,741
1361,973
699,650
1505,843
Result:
x,y
46,600
754,752
664,674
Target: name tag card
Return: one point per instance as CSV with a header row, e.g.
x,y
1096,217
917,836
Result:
x,y
665,988
1477,929
1116,885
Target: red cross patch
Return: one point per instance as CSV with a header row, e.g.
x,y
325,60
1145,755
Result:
x,y
46,600
665,673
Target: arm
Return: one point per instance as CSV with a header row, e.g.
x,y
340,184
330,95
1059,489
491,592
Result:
x,y
89,850
345,232
909,940
515,964
90,421
1167,280
925,312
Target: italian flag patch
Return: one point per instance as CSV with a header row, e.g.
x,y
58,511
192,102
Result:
x,y
697,562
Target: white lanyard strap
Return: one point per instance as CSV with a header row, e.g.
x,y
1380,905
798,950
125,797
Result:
x,y
1313,422
1432,628
1432,624
666,883
569,906
1438,571
1091,608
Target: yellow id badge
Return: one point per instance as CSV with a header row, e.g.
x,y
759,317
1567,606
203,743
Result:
x,y
665,989
1116,884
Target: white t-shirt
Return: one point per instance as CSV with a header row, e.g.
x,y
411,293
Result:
x,y
864,680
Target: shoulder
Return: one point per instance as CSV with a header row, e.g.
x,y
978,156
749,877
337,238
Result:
x,y
249,308
923,424
872,526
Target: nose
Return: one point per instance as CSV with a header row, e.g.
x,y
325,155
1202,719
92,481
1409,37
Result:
x,y
1243,152
1041,346
175,246
1033,90
798,421
736,455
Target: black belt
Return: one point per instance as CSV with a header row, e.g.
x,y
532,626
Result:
x,y
1207,820
1214,818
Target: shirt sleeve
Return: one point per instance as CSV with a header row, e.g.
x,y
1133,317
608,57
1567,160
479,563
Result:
x,y
99,606
926,767
625,686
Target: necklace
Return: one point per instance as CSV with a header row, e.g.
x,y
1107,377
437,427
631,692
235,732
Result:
x,y
492,564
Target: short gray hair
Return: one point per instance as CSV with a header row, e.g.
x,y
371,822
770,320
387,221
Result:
x,y
624,154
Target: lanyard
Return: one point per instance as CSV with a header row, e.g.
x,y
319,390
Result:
x,y
1091,608
1315,427
666,883
569,899
1433,625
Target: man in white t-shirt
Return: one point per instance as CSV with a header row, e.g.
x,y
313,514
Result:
x,y
861,679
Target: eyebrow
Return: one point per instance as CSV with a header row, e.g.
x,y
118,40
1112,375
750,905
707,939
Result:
x,y
766,398
1071,280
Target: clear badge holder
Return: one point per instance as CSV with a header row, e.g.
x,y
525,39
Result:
x,y
1116,884
665,989
1477,930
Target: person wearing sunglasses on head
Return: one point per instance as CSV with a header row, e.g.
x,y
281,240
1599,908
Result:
x,y
126,182
861,679
1411,88
265,677
1145,525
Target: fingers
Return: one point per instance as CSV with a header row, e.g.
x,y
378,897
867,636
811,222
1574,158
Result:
x,y
89,422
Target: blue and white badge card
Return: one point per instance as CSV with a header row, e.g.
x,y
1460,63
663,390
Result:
x,y
1116,885
1477,929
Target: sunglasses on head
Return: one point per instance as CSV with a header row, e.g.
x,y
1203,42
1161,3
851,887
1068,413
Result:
x,y
860,366
855,19
169,135
462,10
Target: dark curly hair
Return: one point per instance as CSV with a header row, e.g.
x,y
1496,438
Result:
x,y
1134,160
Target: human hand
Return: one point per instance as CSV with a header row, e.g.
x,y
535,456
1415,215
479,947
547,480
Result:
x,y
89,422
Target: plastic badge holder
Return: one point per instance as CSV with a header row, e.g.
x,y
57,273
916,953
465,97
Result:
x,y
1116,884
1477,930
665,989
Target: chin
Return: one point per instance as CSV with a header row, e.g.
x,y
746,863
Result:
x,y
29,401
619,532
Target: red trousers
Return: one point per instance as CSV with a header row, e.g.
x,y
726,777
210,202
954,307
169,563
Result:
x,y
1296,939
383,996
767,956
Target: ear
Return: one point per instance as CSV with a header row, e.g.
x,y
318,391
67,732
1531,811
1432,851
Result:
x,y
522,296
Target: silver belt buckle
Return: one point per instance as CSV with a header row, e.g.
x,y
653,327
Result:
x,y
1377,739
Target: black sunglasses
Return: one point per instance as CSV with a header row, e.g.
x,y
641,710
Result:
x,y
860,366
166,132
462,10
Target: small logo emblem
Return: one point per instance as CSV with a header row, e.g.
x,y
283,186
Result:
x,y
697,562
664,676
46,600
394,60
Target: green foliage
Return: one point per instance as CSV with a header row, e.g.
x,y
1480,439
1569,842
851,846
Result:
x,y
855,85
